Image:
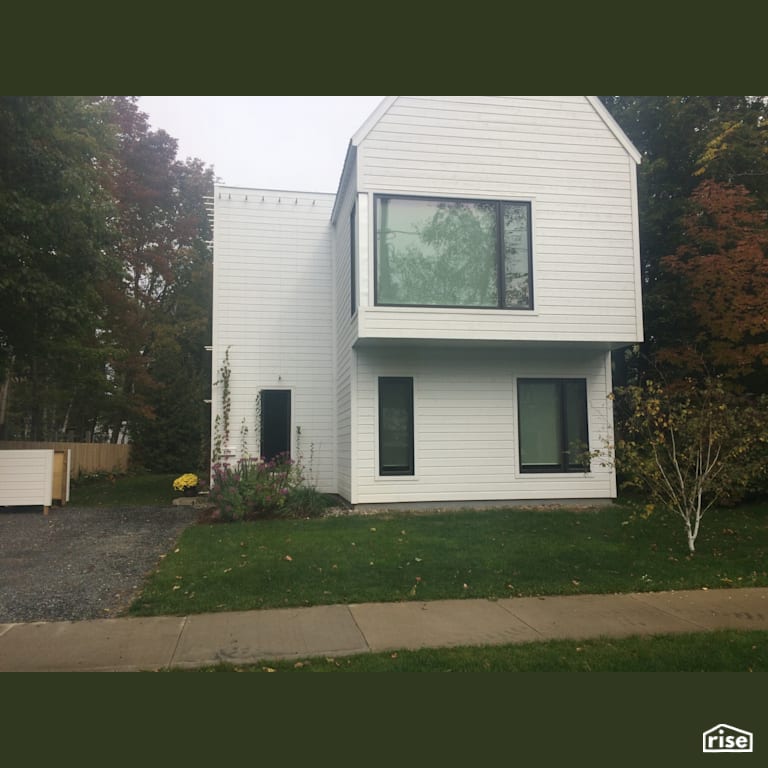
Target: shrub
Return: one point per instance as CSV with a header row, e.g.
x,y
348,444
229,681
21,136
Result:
x,y
253,488
690,446
305,501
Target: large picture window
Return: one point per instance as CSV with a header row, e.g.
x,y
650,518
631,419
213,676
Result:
x,y
553,425
453,253
395,425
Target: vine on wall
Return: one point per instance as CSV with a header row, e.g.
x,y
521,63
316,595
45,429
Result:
x,y
221,424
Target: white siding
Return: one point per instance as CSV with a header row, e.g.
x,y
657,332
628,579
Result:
x,y
282,298
273,296
465,424
346,326
556,152
26,478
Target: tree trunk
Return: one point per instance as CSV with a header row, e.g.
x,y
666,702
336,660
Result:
x,y
690,536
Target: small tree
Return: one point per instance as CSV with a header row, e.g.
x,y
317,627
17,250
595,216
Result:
x,y
690,446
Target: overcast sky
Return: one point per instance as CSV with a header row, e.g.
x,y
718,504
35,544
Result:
x,y
294,143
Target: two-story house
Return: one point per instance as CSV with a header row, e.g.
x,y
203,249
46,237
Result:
x,y
439,330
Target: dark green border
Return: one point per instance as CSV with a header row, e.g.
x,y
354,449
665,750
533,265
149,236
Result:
x,y
148,48
526,719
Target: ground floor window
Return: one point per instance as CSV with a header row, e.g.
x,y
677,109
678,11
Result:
x,y
395,425
552,415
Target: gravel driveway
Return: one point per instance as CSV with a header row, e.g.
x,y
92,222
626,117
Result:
x,y
81,562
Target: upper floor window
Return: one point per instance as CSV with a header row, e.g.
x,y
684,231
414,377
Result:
x,y
453,253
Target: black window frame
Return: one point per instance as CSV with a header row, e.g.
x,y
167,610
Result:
x,y
352,259
565,466
500,255
409,468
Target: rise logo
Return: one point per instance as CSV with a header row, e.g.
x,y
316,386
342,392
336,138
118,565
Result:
x,y
726,738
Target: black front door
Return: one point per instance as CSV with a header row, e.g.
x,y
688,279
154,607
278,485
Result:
x,y
275,423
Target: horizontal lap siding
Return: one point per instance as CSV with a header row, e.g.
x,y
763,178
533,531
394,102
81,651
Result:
x,y
556,151
465,424
273,309
26,477
345,337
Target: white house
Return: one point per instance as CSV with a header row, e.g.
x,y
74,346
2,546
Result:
x,y
439,330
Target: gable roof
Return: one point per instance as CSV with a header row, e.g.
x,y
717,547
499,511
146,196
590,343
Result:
x,y
615,128
385,105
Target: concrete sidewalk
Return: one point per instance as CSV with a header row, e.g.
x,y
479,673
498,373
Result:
x,y
133,644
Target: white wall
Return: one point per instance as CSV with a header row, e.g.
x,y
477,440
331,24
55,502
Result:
x,y
345,336
26,478
465,423
556,152
282,302
273,309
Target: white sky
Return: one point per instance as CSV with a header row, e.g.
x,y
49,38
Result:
x,y
294,143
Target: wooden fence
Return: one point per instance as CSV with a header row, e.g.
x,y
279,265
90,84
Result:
x,y
87,458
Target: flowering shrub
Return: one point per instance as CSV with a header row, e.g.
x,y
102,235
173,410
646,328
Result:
x,y
185,481
253,487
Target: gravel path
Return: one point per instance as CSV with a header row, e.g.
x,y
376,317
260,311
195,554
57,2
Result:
x,y
81,562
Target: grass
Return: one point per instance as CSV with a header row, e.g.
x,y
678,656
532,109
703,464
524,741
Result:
x,y
487,554
717,651
136,489
478,554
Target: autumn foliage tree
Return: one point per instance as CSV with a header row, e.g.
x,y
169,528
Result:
x,y
722,269
105,279
162,250
684,141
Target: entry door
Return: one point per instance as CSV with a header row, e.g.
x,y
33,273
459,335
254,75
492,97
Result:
x,y
275,423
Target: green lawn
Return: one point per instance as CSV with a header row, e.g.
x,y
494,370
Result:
x,y
138,489
721,651
486,554
479,554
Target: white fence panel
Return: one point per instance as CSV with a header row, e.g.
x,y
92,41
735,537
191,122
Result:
x,y
26,478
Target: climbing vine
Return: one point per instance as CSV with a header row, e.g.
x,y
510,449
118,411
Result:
x,y
221,424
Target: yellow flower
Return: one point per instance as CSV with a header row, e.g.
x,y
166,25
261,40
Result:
x,y
185,481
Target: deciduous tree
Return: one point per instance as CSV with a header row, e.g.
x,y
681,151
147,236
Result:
x,y
54,253
690,446
722,271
